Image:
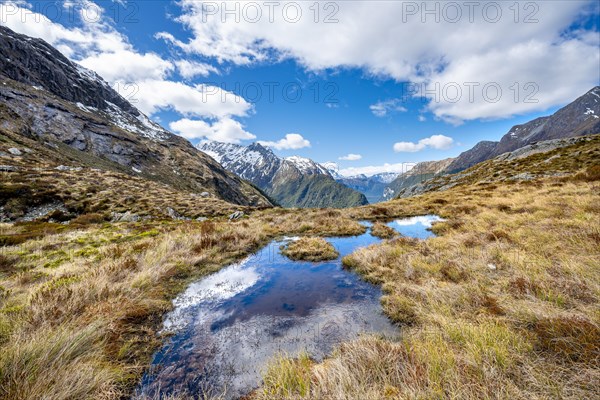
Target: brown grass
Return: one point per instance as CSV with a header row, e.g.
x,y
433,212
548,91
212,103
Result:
x,y
310,249
80,304
504,304
383,231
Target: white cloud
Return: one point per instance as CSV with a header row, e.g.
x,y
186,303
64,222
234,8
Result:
x,y
351,157
191,69
225,130
128,66
422,118
370,170
292,141
474,48
383,108
438,142
199,100
524,78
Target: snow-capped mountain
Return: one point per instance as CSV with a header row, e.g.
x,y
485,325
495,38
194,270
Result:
x,y
292,181
371,186
307,166
385,177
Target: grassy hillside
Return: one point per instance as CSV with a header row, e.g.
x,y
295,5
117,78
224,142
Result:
x,y
503,304
316,191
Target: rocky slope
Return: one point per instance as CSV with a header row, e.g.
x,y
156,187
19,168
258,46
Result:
x,y
421,172
292,182
71,116
581,117
554,158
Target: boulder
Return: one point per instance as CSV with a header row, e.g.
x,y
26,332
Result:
x,y
127,216
8,168
236,215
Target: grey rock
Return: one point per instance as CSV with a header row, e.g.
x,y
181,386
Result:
x,y
525,176
15,152
8,168
43,211
201,219
172,213
236,215
204,194
175,215
127,216
65,168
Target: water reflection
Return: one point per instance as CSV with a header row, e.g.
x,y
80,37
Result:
x,y
416,227
227,326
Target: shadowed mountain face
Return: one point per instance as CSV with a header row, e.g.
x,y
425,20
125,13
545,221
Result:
x,y
72,112
581,117
292,182
419,173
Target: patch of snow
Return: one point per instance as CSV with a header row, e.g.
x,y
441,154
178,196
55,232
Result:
x,y
136,170
385,177
307,166
81,106
140,125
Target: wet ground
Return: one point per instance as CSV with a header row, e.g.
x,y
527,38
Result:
x,y
226,327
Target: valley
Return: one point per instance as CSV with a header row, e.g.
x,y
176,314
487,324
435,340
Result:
x,y
136,263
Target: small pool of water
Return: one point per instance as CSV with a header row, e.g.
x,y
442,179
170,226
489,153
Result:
x,y
415,227
226,327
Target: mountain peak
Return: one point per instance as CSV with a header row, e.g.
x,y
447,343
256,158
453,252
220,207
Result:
x,y
581,117
34,62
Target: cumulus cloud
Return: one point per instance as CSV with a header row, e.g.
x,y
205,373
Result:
x,y
475,47
383,108
199,100
225,130
291,141
127,66
370,170
438,142
351,157
192,69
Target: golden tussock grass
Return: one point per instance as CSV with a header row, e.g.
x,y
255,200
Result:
x,y
310,249
80,307
502,305
382,231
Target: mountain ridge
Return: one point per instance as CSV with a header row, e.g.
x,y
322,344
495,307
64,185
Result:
x,y
89,117
578,118
292,181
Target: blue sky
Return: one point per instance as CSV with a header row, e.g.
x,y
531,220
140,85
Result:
x,y
357,74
